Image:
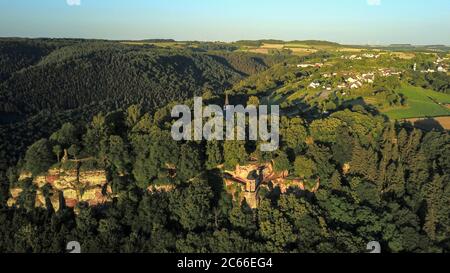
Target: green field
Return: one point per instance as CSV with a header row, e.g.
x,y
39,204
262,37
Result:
x,y
420,103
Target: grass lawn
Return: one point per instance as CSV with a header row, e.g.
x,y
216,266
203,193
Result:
x,y
421,103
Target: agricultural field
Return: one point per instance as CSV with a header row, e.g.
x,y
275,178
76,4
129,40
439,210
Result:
x,y
420,103
299,48
431,123
404,55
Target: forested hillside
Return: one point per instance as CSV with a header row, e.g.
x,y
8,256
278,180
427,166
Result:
x,y
47,82
16,55
378,181
77,75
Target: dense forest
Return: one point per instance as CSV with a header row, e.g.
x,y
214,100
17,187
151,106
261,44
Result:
x,y
379,180
396,190
151,76
47,82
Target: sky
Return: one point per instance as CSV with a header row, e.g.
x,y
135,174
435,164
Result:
x,y
344,21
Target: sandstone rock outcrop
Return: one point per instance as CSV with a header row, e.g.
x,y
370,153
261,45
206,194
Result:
x,y
160,188
249,178
346,168
15,193
71,186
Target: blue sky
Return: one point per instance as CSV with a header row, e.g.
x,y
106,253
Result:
x,y
345,21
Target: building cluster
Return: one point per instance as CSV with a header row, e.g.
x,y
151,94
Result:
x,y
443,69
314,85
352,81
386,72
317,65
326,75
358,81
360,57
441,66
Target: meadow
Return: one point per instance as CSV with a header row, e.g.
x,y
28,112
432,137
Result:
x,y
299,48
420,103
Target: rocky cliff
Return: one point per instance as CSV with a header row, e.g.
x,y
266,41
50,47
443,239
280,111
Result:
x,y
245,181
68,186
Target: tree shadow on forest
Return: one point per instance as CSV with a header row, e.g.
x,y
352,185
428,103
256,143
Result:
x,y
215,180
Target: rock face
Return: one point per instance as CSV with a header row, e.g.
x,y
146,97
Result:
x,y
68,186
160,188
346,168
246,181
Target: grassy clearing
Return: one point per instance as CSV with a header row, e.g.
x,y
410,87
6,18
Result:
x,y
439,97
273,46
349,49
404,55
259,50
421,103
297,95
302,51
297,45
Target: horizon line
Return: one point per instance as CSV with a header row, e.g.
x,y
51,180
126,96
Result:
x,y
224,41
